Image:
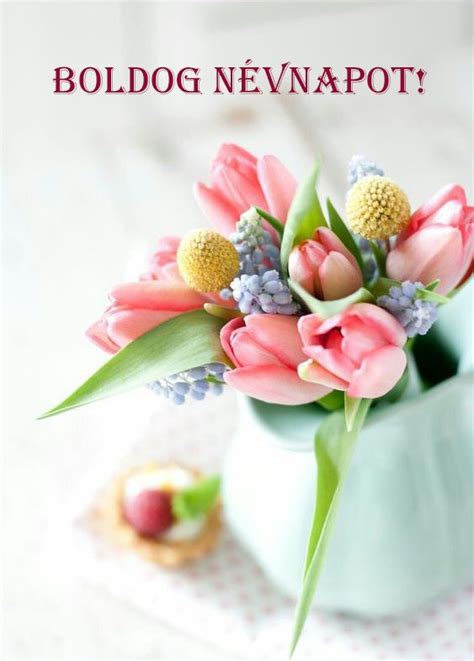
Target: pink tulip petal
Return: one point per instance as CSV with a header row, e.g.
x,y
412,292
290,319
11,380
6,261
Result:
x,y
249,352
451,213
97,333
467,264
244,192
228,152
332,360
301,271
226,335
360,339
157,295
278,184
126,325
168,244
279,335
315,373
314,252
446,193
378,373
312,328
383,322
334,340
332,243
171,273
274,384
431,253
339,277
220,212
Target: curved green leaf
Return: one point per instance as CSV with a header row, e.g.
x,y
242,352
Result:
x,y
332,401
430,295
382,286
333,446
186,341
380,257
340,228
351,406
222,312
271,220
433,285
326,309
304,216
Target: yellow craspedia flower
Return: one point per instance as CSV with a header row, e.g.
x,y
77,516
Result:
x,y
377,208
207,261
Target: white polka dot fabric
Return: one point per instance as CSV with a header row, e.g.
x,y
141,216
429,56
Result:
x,y
225,598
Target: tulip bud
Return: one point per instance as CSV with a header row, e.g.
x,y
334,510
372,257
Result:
x,y
325,267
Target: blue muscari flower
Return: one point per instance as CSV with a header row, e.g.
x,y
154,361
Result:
x,y
415,315
262,293
192,383
360,166
259,286
255,245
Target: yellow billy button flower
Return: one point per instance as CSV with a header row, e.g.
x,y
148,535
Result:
x,y
377,208
207,261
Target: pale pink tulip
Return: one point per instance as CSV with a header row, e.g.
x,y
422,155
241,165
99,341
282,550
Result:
x,y
239,181
438,243
325,267
137,307
162,264
359,351
266,350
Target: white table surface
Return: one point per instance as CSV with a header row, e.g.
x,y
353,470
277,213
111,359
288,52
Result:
x,y
90,181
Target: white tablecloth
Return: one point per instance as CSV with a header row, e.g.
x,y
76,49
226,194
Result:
x,y
225,599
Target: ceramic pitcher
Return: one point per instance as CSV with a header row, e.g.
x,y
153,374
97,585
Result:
x,y
404,529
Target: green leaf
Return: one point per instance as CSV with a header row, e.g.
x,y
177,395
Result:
x,y
351,406
222,312
433,285
333,446
426,294
196,500
326,309
186,341
304,216
379,256
340,228
271,220
382,286
333,401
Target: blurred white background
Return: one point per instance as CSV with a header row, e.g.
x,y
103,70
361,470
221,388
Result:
x,y
90,180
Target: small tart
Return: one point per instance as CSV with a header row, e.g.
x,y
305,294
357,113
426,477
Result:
x,y
108,519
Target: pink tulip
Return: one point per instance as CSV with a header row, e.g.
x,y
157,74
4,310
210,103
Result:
x,y
438,243
137,307
140,306
162,264
325,267
266,350
240,181
359,351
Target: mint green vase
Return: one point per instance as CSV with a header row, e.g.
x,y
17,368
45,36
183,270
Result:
x,y
404,530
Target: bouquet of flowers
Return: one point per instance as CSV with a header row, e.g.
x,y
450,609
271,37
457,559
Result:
x,y
289,304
